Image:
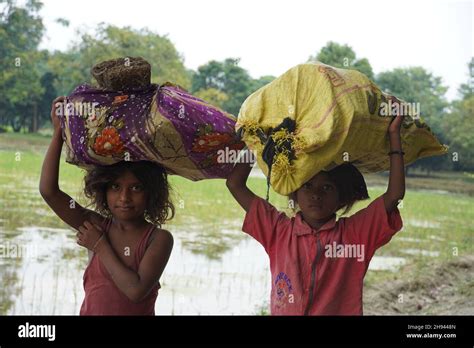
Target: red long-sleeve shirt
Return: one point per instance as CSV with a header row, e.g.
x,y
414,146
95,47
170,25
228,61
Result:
x,y
319,272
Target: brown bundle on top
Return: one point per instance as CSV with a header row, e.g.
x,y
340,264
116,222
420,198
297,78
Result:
x,y
121,74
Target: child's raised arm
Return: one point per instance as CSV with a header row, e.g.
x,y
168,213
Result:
x,y
237,185
396,182
61,203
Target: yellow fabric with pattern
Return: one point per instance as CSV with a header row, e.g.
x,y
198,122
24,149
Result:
x,y
340,115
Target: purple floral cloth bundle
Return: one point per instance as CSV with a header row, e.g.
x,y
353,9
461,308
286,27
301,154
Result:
x,y
163,124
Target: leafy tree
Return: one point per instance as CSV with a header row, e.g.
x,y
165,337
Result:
x,y
44,106
459,126
466,89
227,77
262,81
416,85
21,29
342,56
213,96
108,42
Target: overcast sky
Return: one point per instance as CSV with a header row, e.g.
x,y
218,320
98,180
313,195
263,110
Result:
x,y
271,36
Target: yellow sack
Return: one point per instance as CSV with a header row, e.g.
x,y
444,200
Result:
x,y
315,117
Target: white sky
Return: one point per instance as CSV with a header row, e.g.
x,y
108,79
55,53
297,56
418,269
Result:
x,y
271,36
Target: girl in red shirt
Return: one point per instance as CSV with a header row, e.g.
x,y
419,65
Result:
x,y
128,250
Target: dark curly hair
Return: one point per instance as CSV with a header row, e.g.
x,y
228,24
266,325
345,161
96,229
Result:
x,y
153,177
350,185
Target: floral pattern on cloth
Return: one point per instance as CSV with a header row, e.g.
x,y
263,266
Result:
x,y
163,124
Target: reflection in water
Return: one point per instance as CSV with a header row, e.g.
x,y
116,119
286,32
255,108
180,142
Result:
x,y
49,277
208,239
238,283
386,263
422,223
9,286
49,281
413,251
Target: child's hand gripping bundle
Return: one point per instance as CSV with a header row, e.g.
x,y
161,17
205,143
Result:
x,y
128,118
316,117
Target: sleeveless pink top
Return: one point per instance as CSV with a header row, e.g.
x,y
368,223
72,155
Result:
x,y
103,297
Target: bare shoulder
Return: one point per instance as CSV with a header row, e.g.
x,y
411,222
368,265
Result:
x,y
161,237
